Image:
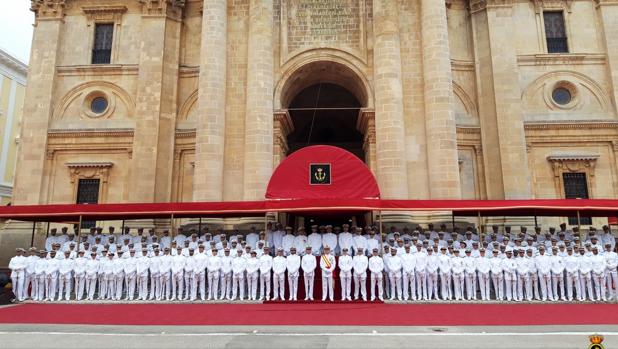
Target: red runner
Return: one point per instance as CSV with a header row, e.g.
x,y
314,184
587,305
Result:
x,y
325,314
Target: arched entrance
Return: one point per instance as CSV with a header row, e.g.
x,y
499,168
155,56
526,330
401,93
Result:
x,y
326,114
324,103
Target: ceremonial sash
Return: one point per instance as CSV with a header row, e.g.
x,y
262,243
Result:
x,y
326,261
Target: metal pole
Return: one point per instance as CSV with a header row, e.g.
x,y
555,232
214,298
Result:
x,y
381,238
172,225
79,229
480,224
536,224
47,234
266,230
578,221
453,219
122,229
32,238
199,227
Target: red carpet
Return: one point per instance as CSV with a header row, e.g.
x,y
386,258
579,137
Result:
x,y
341,314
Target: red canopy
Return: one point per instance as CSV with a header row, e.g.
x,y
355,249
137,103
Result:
x,y
72,212
344,176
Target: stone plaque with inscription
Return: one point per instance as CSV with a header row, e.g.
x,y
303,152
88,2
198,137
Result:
x,y
313,23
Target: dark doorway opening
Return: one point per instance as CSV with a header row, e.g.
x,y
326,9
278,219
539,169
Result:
x,y
325,114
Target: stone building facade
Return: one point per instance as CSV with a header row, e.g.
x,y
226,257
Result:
x,y
474,99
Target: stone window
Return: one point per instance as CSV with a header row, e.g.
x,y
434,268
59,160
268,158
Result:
x,y
88,193
576,187
574,177
102,48
555,32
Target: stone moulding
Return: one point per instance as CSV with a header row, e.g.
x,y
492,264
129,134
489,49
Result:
x,y
77,133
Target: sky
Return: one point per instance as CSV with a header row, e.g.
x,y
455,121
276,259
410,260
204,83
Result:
x,y
16,28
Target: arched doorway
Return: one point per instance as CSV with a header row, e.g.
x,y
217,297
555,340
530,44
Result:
x,y
325,114
324,102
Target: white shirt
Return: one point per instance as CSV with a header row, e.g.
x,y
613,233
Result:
x,y
266,263
239,265
315,241
376,264
345,263
279,265
253,264
293,263
308,263
360,264
214,263
394,264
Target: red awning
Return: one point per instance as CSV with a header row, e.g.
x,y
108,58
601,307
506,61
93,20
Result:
x,y
72,212
342,174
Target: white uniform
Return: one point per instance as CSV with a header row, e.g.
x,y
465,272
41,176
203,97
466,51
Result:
x,y
432,275
178,266
376,266
266,264
226,277
360,264
571,264
408,263
345,276
118,266
239,265
308,264
293,266
18,265
483,265
611,265
214,269
457,269
142,267
79,275
92,271
394,275
598,276
287,242
444,262
279,267
155,277
130,277
315,241
199,275
523,278
509,266
470,275
328,264
557,276
346,241
543,266
585,275
421,275
65,278
165,269
253,266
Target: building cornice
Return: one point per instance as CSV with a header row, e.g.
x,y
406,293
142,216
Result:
x,y
13,67
172,9
104,12
562,125
481,5
185,133
98,69
48,9
76,133
89,164
561,59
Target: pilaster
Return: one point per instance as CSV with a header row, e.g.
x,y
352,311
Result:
x,y
608,10
502,128
210,130
151,172
258,159
440,124
390,136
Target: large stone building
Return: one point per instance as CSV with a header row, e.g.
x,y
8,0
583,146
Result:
x,y
198,100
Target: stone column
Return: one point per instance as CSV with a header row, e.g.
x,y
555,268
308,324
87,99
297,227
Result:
x,y
609,19
38,103
210,130
258,157
502,125
283,126
153,144
37,111
440,127
390,138
366,125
